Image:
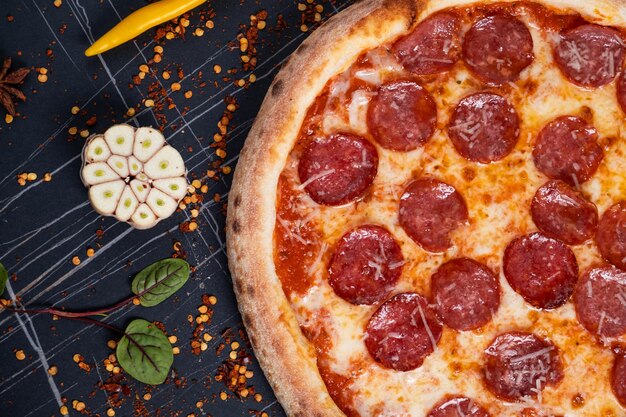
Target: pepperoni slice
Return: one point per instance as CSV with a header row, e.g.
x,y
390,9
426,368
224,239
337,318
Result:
x,y
484,127
600,301
338,169
520,364
402,332
402,116
366,264
498,48
429,211
618,378
434,46
611,235
567,149
563,213
458,407
590,55
542,270
466,293
621,91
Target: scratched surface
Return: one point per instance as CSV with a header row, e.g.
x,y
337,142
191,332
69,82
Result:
x,y
44,224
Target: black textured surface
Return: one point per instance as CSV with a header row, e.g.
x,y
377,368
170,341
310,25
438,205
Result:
x,y
44,224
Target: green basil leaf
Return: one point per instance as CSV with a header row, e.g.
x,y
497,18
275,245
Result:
x,y
4,276
145,353
160,280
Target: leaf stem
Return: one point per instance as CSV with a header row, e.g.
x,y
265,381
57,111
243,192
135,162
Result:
x,y
76,314
94,322
69,317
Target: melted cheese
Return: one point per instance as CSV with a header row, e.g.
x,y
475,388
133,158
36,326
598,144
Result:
x,y
498,197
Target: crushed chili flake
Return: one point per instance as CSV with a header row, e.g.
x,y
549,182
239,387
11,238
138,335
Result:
x,y
234,373
200,333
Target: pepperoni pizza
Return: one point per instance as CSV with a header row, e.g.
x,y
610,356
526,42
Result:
x,y
429,215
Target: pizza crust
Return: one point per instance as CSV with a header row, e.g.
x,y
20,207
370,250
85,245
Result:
x,y
286,356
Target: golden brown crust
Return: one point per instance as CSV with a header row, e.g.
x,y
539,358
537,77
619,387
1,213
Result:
x,y
285,355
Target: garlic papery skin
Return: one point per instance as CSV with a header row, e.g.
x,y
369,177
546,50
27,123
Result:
x,y
134,175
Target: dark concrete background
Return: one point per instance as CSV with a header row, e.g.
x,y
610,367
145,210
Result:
x,y
44,224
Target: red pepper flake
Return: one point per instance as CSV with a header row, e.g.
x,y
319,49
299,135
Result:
x,y
234,372
91,121
160,326
200,337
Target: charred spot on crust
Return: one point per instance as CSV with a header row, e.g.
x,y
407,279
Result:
x,y
245,317
236,227
237,285
251,335
277,87
302,47
237,201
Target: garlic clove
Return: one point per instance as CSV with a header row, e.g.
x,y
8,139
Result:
x,y
120,139
143,218
147,142
119,164
104,197
127,205
166,163
134,166
98,173
174,187
97,150
161,204
141,189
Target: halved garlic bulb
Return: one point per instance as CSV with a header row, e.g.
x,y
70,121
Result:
x,y
134,175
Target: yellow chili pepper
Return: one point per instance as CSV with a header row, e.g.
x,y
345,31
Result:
x,y
140,21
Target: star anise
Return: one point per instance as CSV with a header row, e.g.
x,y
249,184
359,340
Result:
x,y
7,81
